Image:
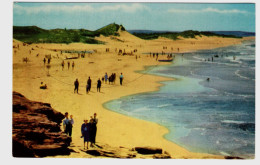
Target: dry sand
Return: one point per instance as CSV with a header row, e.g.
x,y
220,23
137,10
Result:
x,y
113,128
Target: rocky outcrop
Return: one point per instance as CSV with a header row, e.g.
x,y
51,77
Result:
x,y
36,129
104,150
148,150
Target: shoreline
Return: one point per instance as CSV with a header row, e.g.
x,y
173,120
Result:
x,y
108,132
158,89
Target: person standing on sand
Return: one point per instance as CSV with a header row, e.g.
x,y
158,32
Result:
x,y
85,132
76,84
98,85
67,127
95,121
71,122
121,79
89,83
62,64
73,64
44,61
68,65
106,77
92,132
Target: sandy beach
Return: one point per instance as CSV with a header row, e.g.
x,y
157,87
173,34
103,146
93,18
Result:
x,y
113,128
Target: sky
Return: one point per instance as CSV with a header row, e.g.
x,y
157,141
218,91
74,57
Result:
x,y
137,16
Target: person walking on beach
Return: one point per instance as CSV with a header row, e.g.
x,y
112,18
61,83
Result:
x,y
68,65
44,61
67,127
106,77
73,64
76,84
121,79
89,83
62,65
98,85
85,132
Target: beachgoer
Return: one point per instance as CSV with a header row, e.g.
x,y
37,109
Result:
x,y
76,84
73,64
44,61
71,122
62,64
92,131
121,79
89,83
43,86
106,77
67,127
85,132
95,121
98,85
68,65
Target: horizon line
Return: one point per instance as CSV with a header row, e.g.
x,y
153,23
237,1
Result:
x,y
138,29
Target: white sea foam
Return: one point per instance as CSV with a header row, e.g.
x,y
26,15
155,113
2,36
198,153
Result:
x,y
163,105
224,153
232,122
239,75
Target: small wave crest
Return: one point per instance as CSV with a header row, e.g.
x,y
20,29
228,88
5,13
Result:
x,y
163,105
239,75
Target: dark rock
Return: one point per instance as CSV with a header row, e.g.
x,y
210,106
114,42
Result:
x,y
36,129
111,152
232,157
161,156
148,150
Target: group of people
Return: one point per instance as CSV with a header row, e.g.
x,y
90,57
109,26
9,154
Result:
x,y
48,60
89,131
111,79
68,124
88,86
68,63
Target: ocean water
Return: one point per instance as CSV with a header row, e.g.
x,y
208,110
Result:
x,y
215,116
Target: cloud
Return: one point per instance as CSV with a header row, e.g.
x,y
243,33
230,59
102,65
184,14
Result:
x,y
208,10
126,8
78,8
